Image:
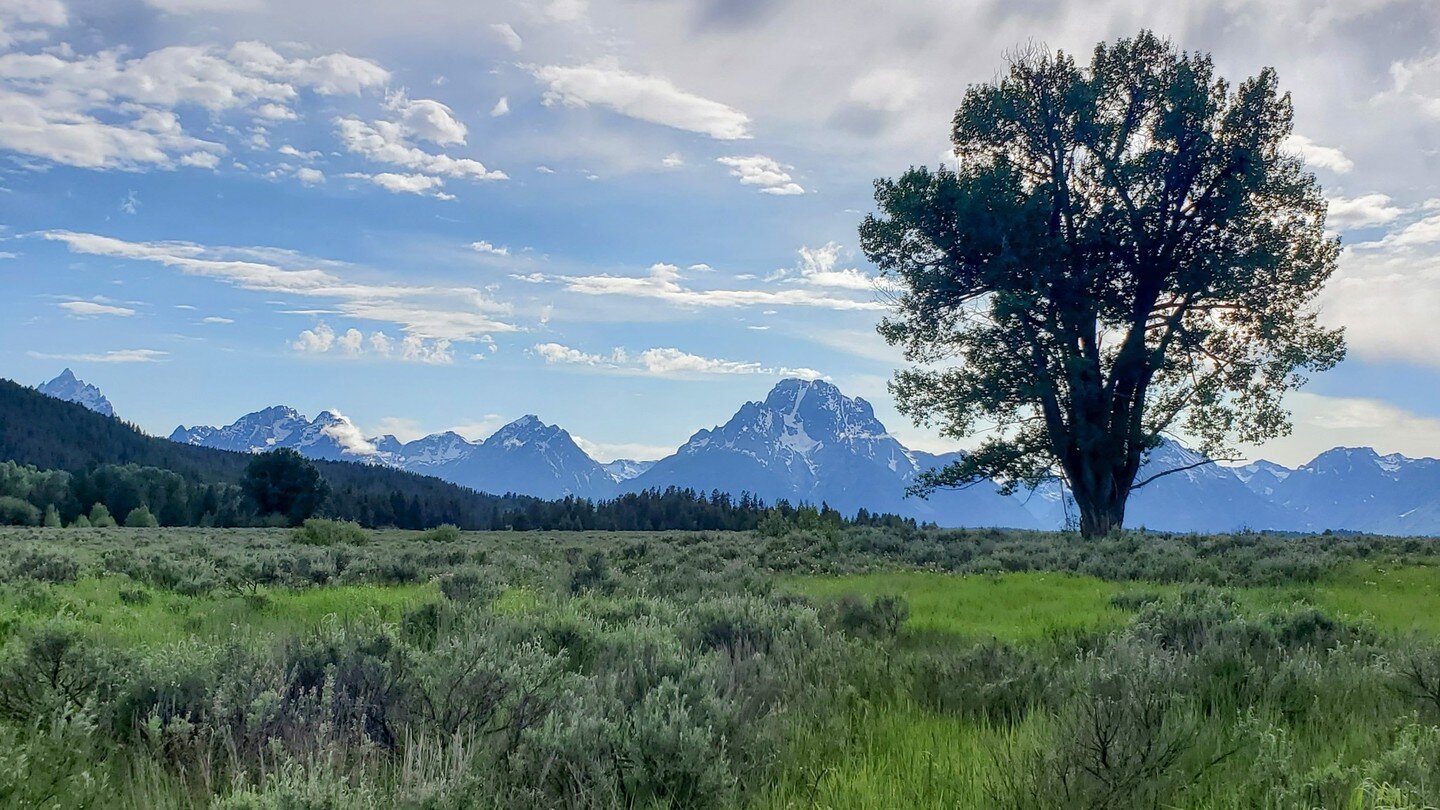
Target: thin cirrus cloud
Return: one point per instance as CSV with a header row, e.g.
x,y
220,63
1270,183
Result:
x,y
113,356
427,312
665,283
645,98
661,362
90,309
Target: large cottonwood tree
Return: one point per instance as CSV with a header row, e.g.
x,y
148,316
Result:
x,y
1125,249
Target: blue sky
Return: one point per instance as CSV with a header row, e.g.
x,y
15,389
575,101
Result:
x,y
625,216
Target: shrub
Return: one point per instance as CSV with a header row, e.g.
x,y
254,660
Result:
x,y
18,512
52,517
140,518
43,565
471,584
444,533
592,575
100,517
322,532
880,618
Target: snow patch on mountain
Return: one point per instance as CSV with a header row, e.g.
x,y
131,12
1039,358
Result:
x,y
68,387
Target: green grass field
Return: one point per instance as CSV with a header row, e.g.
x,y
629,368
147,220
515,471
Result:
x,y
715,670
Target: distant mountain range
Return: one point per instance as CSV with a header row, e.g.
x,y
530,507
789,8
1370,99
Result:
x,y
70,389
807,441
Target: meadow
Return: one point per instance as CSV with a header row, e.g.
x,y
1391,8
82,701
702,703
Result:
x,y
861,667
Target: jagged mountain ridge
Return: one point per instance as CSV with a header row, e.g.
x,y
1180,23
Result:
x,y
807,441
68,387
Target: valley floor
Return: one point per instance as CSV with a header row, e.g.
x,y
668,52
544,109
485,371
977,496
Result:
x,y
861,668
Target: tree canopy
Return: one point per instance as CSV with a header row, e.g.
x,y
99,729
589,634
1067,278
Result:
x,y
1125,249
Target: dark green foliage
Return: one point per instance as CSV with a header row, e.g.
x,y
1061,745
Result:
x,y
140,518
880,618
1125,248
15,512
445,533
321,532
283,482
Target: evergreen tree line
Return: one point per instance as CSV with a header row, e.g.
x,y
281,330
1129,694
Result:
x,y
63,459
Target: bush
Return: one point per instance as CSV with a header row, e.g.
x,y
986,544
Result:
x,y
52,517
444,533
43,565
18,512
321,532
880,618
100,517
140,518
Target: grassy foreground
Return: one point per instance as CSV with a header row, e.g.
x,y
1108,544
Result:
x,y
871,668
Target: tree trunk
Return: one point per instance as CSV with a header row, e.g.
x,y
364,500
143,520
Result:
x,y
1099,516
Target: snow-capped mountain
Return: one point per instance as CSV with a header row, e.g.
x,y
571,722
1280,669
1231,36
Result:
x,y
623,469
526,456
1355,488
806,441
67,387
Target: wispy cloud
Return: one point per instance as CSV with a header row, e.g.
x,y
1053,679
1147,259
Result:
x,y
90,309
426,312
662,362
113,356
646,98
664,283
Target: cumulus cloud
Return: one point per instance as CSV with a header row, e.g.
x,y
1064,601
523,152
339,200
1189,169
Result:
x,y
114,356
309,176
397,183
322,339
345,433
428,120
16,19
421,311
485,247
109,110
759,170
90,309
1319,156
818,267
646,98
661,362
388,142
502,107
664,283
1364,211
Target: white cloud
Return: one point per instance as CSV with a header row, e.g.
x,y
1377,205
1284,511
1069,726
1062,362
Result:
x,y
89,309
485,247
1322,422
605,452
1318,156
1364,211
353,343
429,120
347,435
502,107
674,160
309,176
508,36
885,89
422,184
664,283
200,160
566,10
386,142
646,98
818,268
290,151
661,362
115,356
759,170
25,13
107,110
430,312
202,6
216,319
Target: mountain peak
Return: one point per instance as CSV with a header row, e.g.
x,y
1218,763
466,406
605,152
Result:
x,y
70,388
